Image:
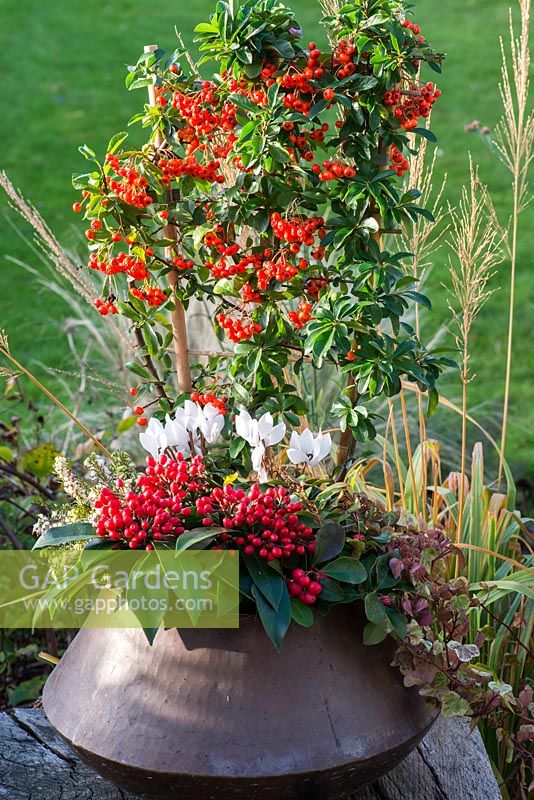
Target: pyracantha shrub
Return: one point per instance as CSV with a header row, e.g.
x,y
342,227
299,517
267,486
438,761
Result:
x,y
267,190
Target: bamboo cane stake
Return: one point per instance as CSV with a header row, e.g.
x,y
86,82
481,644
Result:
x,y
179,327
51,659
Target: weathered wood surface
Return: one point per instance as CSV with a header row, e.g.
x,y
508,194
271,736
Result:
x,y
35,764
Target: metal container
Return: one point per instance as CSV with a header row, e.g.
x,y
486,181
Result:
x,y
217,714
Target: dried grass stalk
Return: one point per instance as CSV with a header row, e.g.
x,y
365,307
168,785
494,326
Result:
x,y
46,240
477,243
514,139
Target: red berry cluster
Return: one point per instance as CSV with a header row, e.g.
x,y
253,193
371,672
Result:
x,y
314,287
248,295
344,59
237,330
305,141
417,103
181,263
207,398
297,231
400,164
203,111
178,167
414,28
151,295
332,170
262,522
280,270
105,307
298,83
156,508
131,188
302,316
132,266
227,269
304,586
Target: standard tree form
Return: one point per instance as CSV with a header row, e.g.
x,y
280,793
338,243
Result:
x,y
267,191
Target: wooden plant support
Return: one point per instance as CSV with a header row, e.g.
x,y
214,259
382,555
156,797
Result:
x,y
347,442
179,327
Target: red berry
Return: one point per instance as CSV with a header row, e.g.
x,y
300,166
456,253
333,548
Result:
x,y
329,94
133,391
77,207
142,421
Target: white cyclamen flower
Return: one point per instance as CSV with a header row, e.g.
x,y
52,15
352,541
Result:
x,y
184,430
305,448
154,438
188,415
259,434
210,423
179,437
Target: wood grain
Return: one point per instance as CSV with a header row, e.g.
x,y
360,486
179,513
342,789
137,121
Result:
x,y
35,763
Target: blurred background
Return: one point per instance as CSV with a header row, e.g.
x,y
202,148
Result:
x,y
63,68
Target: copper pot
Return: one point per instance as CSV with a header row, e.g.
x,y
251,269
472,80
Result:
x,y
216,714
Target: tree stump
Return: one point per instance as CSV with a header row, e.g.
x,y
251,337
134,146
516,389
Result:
x,y
36,763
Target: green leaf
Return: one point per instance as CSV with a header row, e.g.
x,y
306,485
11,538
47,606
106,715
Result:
x,y
198,536
26,691
276,622
301,614
347,570
375,610
126,424
39,461
150,634
329,542
76,532
397,622
433,402
453,705
137,370
136,591
332,591
270,583
426,134
87,153
374,633
6,454
116,141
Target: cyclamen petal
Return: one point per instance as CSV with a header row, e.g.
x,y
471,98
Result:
x,y
211,423
259,434
277,434
243,425
257,457
154,439
304,448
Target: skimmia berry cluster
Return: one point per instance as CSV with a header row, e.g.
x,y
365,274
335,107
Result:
x,y
262,522
156,508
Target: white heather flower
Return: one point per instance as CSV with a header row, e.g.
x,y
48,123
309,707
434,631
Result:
x,y
72,485
259,434
305,448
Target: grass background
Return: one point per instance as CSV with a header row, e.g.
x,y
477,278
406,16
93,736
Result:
x,y
62,65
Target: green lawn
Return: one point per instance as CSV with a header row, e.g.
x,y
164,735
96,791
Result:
x,y
62,65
